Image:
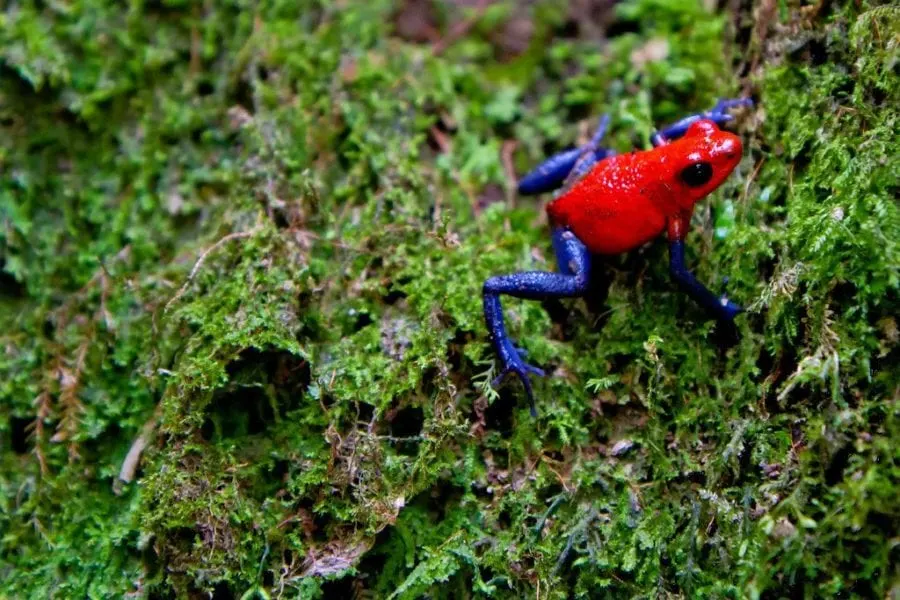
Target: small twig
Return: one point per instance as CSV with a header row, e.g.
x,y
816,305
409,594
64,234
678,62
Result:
x,y
751,180
443,141
506,152
43,411
133,458
460,29
199,263
62,312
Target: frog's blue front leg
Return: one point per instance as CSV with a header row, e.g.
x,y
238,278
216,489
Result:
x,y
554,171
721,307
718,114
574,263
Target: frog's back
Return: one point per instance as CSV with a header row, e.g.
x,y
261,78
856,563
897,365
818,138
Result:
x,y
617,206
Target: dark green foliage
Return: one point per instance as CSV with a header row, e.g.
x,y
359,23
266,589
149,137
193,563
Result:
x,y
253,237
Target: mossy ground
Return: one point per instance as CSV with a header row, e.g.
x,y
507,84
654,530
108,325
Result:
x,y
253,235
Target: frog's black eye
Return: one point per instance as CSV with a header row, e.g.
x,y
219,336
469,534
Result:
x,y
697,174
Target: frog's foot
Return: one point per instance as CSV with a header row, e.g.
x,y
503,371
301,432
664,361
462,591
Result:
x,y
718,114
729,309
513,363
720,307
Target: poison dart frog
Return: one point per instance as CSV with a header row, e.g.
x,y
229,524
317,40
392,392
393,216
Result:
x,y
610,203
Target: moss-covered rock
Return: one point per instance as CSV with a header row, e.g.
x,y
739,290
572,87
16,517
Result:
x,y
241,251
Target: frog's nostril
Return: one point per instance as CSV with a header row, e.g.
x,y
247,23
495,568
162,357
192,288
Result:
x,y
729,147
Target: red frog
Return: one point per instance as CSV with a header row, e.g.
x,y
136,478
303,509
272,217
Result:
x,y
608,204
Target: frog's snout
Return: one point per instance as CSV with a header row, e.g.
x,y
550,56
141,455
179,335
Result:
x,y
728,146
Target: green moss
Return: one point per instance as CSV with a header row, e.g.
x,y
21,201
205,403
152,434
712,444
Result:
x,y
255,241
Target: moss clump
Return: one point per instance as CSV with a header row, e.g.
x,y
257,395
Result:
x,y
251,243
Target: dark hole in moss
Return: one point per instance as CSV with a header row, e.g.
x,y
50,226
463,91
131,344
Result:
x,y
181,537
547,495
499,416
844,294
876,415
455,356
839,461
765,362
598,287
442,499
480,490
408,422
279,469
504,519
48,328
366,412
864,588
882,522
205,88
279,215
243,96
569,29
321,523
292,374
199,135
619,363
163,9
372,563
801,161
791,585
430,382
725,336
818,52
844,90
698,477
580,112
555,455
222,591
362,320
237,412
621,27
339,588
22,88
327,400
18,433
559,312
877,95
9,285
765,269
393,295
500,457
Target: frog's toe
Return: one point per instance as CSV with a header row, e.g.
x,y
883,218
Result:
x,y
726,103
522,370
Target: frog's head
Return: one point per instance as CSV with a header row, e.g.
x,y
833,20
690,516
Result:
x,y
708,156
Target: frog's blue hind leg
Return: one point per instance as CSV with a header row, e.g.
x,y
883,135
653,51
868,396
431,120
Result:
x,y
574,262
559,168
717,114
